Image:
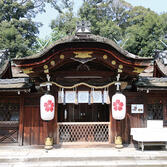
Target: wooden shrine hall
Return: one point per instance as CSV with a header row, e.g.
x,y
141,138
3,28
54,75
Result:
x,y
82,72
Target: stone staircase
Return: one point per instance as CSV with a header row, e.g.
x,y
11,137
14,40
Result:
x,y
88,157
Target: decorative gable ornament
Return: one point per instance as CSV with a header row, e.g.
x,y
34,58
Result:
x,y
118,106
47,107
83,27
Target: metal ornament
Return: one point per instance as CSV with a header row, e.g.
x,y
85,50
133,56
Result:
x,y
83,27
48,143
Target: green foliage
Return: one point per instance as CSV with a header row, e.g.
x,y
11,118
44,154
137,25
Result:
x,y
143,32
110,30
12,9
39,5
18,37
64,24
17,31
106,16
136,29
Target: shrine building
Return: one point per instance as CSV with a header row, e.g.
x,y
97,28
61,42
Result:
x,y
82,72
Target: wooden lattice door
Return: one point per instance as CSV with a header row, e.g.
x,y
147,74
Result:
x,y
9,122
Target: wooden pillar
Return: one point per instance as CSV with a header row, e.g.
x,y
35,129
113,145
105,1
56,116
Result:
x,y
55,126
118,128
165,111
112,127
118,137
21,121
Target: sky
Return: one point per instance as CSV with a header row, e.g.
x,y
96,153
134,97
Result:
x,y
158,6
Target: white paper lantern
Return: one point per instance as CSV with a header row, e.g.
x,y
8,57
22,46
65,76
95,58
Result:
x,y
47,107
118,106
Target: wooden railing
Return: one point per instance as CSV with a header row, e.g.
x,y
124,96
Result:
x,y
89,132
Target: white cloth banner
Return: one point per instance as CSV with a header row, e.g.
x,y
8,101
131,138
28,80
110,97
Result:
x,y
70,97
82,96
60,96
97,96
105,96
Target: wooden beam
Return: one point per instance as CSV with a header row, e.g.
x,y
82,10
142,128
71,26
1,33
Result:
x,y
83,73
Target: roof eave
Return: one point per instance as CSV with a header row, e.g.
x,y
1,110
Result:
x,y
85,38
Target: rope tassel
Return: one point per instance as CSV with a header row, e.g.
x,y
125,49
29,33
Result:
x,y
108,97
91,97
76,97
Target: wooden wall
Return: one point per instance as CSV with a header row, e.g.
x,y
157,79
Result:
x,y
36,130
138,120
33,131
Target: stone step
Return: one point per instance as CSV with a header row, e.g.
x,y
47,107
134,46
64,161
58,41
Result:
x,y
112,161
47,158
97,163
75,157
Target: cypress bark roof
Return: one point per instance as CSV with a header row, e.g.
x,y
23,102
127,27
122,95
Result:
x,y
85,38
152,82
5,66
161,61
15,84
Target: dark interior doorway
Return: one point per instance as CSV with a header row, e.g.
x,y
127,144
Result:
x,y
83,113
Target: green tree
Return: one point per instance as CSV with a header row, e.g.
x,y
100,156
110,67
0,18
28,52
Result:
x,y
18,33
136,29
10,9
107,17
39,5
18,37
143,32
65,23
164,20
17,30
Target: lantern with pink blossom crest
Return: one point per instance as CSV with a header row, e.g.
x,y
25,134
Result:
x,y
47,107
118,103
47,103
118,106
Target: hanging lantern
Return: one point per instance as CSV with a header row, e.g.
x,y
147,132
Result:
x,y
47,107
118,106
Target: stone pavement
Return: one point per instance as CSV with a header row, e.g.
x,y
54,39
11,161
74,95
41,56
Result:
x,y
20,156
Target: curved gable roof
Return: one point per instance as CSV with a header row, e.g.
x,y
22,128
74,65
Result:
x,y
84,38
97,45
